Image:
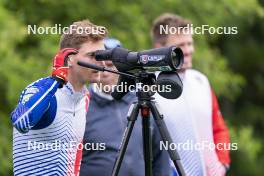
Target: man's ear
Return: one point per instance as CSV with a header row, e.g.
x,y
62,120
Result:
x,y
70,61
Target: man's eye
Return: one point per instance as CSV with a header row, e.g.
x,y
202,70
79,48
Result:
x,y
190,43
90,54
180,45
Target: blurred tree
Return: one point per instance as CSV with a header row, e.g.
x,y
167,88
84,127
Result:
x,y
233,63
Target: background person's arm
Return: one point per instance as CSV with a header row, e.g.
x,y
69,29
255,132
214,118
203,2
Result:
x,y
220,132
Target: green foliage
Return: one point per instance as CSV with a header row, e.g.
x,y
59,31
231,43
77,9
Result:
x,y
248,153
233,63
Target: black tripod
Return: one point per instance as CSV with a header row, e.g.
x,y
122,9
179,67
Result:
x,y
146,104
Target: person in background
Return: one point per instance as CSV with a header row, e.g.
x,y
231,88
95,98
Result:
x,y
106,123
195,116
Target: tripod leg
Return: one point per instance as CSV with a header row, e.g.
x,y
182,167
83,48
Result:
x,y
131,117
165,135
147,143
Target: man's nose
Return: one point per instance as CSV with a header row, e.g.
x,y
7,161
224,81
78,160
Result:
x,y
185,50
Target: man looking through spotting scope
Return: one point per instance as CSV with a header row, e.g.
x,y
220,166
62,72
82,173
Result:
x,y
106,122
195,115
52,111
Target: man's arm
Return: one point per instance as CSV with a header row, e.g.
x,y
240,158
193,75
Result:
x,y
220,132
35,99
33,103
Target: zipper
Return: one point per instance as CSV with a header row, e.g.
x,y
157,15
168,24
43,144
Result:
x,y
74,107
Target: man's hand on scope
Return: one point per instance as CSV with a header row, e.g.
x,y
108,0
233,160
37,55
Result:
x,y
60,65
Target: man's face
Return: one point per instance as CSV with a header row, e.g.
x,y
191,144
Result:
x,y
82,74
108,78
185,42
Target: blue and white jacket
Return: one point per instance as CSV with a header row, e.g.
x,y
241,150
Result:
x,y
49,125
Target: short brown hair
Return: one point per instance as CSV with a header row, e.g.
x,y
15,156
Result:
x,y
169,19
80,32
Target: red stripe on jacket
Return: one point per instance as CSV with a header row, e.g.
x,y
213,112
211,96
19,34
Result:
x,y
220,131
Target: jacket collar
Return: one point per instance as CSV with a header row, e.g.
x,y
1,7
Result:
x,y
68,88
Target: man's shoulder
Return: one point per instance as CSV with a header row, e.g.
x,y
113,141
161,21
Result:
x,y
197,75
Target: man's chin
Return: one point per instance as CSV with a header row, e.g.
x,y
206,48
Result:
x,y
94,80
184,68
